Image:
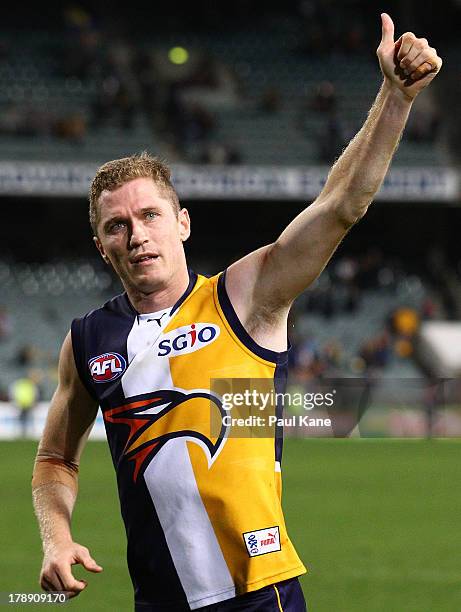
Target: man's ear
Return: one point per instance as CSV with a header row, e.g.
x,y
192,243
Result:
x,y
100,249
184,224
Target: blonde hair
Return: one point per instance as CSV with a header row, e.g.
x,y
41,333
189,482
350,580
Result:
x,y
117,172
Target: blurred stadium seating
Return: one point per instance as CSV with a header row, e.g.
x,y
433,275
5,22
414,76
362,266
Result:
x,y
263,115
39,300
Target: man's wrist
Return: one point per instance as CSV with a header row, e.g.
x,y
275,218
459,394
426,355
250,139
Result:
x,y
55,543
397,93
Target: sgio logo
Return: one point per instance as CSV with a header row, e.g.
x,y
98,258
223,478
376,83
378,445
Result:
x,y
106,367
187,339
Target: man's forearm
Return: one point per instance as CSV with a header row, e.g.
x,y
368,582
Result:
x,y
53,505
54,490
358,173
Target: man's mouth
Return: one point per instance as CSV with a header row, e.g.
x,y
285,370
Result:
x,y
141,260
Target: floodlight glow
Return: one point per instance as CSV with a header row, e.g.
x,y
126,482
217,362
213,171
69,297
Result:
x,y
178,55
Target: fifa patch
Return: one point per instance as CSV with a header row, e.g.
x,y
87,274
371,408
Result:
x,y
106,367
262,541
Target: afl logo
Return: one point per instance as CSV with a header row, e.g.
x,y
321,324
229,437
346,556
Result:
x,y
106,367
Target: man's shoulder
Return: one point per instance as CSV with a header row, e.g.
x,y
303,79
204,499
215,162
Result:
x,y
103,328
118,305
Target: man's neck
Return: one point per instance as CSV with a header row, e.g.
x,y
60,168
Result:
x,y
164,297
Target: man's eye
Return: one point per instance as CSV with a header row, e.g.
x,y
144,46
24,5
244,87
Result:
x,y
115,227
150,215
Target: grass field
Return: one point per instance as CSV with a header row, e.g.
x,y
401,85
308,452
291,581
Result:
x,y
377,522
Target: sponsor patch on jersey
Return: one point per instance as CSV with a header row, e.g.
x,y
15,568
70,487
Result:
x,y
262,541
106,367
187,339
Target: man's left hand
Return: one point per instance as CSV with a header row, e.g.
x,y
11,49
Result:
x,y
409,63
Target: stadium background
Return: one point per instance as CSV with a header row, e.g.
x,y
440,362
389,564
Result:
x,y
251,102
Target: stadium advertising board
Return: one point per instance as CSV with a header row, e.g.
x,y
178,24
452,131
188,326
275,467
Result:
x,y
230,182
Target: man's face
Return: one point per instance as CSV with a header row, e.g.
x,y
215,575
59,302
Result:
x,y
140,234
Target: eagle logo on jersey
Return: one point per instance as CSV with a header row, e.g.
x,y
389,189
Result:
x,y
155,418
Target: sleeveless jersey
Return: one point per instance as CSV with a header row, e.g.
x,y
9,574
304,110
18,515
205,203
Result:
x,y
202,510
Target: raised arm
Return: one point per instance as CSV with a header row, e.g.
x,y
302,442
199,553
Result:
x,y
269,279
54,483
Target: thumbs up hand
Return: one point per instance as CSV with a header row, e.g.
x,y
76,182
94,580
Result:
x,y
408,63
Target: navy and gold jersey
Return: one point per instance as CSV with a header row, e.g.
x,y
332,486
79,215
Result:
x,y
202,512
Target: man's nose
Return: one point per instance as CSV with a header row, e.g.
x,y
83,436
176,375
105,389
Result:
x,y
138,235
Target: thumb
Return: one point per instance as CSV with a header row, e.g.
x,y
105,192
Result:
x,y
387,36
89,563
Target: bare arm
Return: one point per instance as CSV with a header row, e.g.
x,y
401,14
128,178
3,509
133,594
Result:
x,y
304,248
54,484
268,280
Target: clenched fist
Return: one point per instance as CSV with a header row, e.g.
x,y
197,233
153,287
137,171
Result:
x,y
408,63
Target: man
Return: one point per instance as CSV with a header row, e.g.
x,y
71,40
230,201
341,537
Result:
x,y
202,512
24,394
